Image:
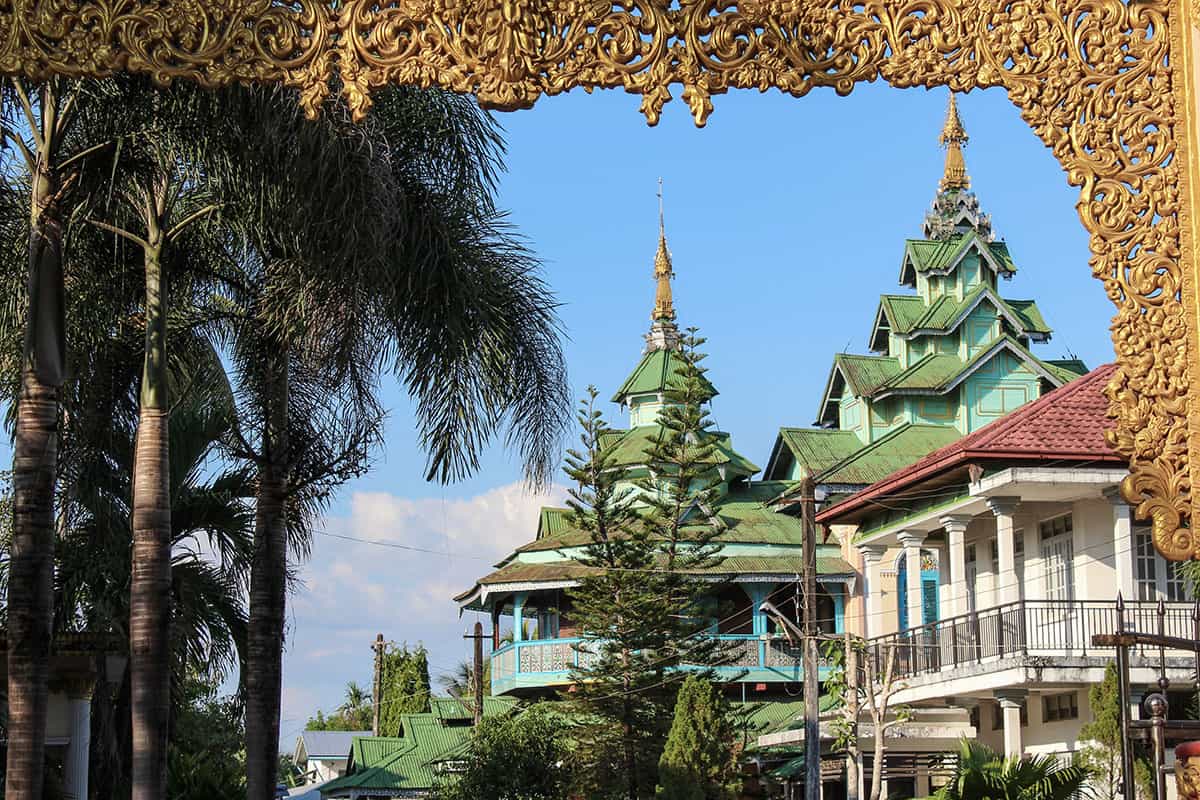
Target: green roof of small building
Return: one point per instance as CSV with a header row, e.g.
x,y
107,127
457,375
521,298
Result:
x,y
896,450
865,374
408,763
657,372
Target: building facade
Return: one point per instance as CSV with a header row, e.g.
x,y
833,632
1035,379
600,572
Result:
x,y
760,558
1029,546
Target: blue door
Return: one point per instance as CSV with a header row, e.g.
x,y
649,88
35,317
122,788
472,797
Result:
x,y
929,590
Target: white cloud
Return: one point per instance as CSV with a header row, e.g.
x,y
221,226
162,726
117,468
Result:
x,y
351,590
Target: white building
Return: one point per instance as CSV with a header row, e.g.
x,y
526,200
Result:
x,y
322,755
1023,544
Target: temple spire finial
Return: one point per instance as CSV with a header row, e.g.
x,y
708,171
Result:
x,y
664,304
664,334
953,138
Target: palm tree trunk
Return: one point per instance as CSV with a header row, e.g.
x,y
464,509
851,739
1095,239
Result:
x,y
150,591
35,456
268,579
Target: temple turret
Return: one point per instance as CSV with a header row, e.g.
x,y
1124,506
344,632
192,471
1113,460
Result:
x,y
948,357
955,209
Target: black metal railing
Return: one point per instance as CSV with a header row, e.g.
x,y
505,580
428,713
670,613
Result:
x,y
1027,627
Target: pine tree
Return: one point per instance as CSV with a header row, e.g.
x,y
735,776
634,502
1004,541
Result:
x,y
641,608
406,687
699,761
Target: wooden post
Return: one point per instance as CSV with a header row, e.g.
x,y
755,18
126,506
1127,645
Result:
x,y
377,684
478,673
812,688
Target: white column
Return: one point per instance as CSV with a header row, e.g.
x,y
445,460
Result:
x,y
1010,709
911,540
872,554
1006,581
75,762
1123,551
956,536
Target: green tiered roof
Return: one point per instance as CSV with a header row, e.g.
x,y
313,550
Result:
x,y
656,373
947,359
628,448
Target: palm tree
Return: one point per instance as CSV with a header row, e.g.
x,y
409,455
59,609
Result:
x,y
983,774
399,263
39,123
209,542
160,204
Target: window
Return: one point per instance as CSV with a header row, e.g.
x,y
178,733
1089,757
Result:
x,y
972,574
998,716
1057,707
1147,565
1058,555
1155,576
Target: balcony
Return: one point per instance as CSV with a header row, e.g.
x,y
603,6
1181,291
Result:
x,y
1043,633
547,663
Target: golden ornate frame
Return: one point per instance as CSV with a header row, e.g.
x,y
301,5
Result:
x,y
1108,85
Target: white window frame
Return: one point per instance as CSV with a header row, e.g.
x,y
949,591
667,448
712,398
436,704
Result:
x,y
1154,577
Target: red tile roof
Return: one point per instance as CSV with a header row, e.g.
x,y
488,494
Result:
x,y
1065,424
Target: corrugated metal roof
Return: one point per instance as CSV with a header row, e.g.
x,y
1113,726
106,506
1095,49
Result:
x,y
903,311
884,456
828,563
866,373
925,255
553,522
408,762
658,371
628,448
329,744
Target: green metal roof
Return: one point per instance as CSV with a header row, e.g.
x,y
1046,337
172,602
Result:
x,y
899,448
908,313
817,449
924,255
408,763
866,373
553,521
902,311
937,372
658,371
744,512
628,448
1073,366
828,563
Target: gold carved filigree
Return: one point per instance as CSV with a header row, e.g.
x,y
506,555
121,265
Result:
x,y
1093,78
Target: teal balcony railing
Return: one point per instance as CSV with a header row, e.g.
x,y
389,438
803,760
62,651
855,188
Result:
x,y
547,663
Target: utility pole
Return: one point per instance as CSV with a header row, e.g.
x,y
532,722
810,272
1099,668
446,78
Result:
x,y
812,688
477,670
377,684
478,666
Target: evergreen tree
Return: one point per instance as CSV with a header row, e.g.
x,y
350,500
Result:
x,y
514,758
1103,755
640,607
405,684
699,761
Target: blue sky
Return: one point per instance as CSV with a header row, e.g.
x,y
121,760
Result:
x,y
786,220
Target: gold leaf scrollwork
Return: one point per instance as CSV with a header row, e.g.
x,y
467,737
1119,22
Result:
x,y
1093,78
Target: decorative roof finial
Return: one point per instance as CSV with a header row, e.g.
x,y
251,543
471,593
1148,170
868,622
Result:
x,y
953,137
664,306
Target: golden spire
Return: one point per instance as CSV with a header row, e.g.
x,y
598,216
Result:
x,y
953,137
664,306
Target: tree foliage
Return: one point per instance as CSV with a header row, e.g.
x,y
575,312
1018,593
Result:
x,y
354,714
205,760
983,774
641,610
520,757
699,761
406,687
